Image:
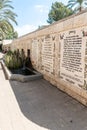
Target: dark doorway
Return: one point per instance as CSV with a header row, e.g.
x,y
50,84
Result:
x,y
28,52
0,47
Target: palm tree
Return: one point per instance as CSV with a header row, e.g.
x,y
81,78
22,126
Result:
x,y
5,27
78,5
7,16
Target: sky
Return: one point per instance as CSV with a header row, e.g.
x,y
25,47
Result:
x,y
31,14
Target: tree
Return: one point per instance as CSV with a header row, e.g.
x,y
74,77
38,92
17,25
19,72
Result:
x,y
7,16
5,27
78,5
11,35
58,11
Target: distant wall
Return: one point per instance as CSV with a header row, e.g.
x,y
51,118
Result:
x,y
6,44
59,52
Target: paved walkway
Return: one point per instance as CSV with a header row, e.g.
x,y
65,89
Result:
x,y
37,105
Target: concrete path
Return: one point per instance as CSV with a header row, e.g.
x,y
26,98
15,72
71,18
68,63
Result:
x,y
11,116
37,105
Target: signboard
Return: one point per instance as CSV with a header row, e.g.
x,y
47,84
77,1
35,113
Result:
x,y
47,55
72,55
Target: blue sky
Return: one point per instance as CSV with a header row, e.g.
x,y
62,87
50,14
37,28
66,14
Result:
x,y
32,13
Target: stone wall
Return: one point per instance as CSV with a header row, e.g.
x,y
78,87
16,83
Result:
x,y
59,52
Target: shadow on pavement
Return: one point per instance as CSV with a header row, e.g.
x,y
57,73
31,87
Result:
x,y
48,107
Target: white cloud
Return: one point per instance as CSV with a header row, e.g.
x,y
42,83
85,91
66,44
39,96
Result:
x,y
25,29
42,8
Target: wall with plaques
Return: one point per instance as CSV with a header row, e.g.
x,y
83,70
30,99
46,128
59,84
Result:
x,y
59,52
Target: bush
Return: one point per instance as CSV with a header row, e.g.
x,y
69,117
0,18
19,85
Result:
x,y
13,60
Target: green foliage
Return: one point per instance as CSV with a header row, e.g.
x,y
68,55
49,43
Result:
x,y
13,60
58,11
9,53
16,60
4,28
7,16
77,5
11,35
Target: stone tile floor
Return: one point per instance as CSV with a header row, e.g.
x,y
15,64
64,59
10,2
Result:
x,y
48,107
37,105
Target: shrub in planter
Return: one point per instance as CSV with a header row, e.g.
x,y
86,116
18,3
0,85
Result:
x,y
13,60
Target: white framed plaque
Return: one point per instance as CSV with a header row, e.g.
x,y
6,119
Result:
x,y
72,62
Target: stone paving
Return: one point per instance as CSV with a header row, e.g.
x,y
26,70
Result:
x,y
37,105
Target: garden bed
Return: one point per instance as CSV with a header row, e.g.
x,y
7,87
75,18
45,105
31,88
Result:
x,y
22,75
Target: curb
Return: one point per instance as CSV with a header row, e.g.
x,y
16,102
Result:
x,y
20,77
